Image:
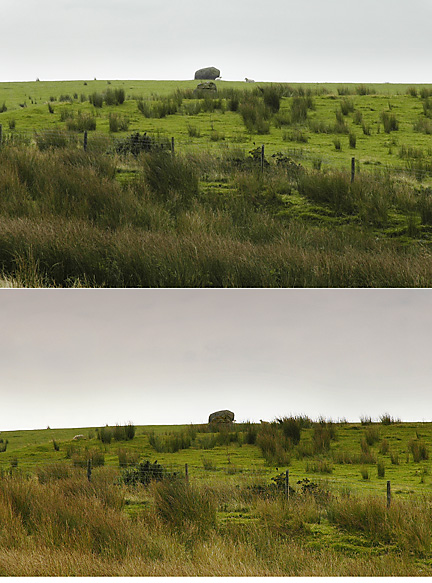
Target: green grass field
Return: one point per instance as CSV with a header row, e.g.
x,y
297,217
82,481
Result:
x,y
225,128
216,214
230,518
32,448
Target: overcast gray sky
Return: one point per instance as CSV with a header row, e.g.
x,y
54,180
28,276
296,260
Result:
x,y
281,40
80,358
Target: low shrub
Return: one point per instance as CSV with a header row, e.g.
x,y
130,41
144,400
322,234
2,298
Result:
x,y
145,473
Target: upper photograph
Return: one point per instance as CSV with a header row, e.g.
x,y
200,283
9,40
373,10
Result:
x,y
147,144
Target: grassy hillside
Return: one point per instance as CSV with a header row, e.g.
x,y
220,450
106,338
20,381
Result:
x,y
230,518
128,213
351,448
28,107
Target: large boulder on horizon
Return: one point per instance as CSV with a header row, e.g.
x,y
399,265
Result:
x,y
207,73
224,416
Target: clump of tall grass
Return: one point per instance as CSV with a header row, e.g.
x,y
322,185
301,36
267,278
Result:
x,y
271,97
172,180
291,428
381,469
322,466
299,108
366,129
47,140
275,447
118,123
182,505
114,96
372,435
340,126
387,419
250,433
332,188
358,117
81,458
127,457
390,122
118,433
170,442
418,449
323,433
345,457
193,131
82,122
394,458
53,472
423,125
347,106
406,524
295,136
255,116
364,472
384,446
363,89
96,99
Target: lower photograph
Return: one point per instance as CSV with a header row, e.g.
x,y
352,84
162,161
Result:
x,y
224,433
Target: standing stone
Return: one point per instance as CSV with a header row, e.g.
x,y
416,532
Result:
x,y
207,73
224,416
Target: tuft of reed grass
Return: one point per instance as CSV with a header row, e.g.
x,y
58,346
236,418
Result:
x,y
181,505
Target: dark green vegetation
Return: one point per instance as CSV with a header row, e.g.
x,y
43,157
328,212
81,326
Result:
x,y
127,213
136,517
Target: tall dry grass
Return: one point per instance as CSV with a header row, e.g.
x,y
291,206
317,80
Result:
x,y
62,525
67,221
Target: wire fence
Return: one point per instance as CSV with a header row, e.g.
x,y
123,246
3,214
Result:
x,y
134,143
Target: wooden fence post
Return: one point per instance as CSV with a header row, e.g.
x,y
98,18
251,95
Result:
x,y
187,473
89,470
287,484
172,145
388,494
352,169
262,158
1,133
85,140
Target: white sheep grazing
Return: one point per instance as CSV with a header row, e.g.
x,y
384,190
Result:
x,y
80,436
249,80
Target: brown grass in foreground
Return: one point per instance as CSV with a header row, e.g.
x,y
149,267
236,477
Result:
x,y
70,527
